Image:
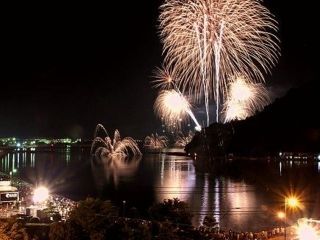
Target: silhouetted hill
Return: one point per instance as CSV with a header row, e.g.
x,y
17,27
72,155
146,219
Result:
x,y
291,123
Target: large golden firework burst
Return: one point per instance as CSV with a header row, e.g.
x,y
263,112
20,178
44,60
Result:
x,y
207,41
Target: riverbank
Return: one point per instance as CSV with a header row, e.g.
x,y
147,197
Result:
x,y
133,228
128,225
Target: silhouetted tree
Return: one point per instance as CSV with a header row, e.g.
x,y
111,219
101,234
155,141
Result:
x,y
210,222
75,232
92,215
167,231
172,210
58,231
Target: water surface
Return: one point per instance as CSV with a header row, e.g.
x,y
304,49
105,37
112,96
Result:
x,y
245,197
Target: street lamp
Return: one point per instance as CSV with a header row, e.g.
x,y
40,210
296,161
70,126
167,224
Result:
x,y
291,202
281,215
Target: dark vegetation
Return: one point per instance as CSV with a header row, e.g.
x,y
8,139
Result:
x,y
290,124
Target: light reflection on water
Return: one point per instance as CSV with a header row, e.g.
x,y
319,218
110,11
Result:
x,y
236,202
113,169
205,197
176,180
216,203
22,159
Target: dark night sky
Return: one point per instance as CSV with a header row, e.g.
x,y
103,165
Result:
x,y
66,68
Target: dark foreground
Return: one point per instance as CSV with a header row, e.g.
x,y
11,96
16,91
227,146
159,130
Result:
x,y
96,219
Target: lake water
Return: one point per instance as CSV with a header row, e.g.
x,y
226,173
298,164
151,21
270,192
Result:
x,y
246,198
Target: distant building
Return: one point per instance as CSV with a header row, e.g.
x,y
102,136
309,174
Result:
x,y
8,193
35,142
298,156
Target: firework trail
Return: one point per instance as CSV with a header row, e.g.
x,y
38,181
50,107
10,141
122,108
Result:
x,y
100,131
244,99
207,41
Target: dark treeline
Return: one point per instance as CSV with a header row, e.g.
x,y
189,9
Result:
x,y
290,124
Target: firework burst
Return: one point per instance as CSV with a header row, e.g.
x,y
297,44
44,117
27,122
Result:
x,y
155,142
117,147
171,107
307,229
170,100
164,79
207,41
244,99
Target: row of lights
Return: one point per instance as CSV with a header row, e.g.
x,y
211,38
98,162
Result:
x,y
281,154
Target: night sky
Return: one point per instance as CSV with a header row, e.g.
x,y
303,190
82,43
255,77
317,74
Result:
x,y
66,68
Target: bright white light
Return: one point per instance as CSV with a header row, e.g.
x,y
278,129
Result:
x,y
40,194
307,232
292,201
198,128
175,103
240,90
18,145
319,157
